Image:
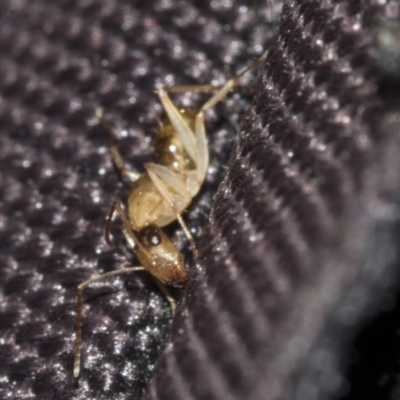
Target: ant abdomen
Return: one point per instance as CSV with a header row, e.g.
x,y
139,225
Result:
x,y
169,149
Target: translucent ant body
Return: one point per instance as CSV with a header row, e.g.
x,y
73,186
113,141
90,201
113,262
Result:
x,y
161,194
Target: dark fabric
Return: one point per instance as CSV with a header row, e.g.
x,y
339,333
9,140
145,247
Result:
x,y
300,246
296,249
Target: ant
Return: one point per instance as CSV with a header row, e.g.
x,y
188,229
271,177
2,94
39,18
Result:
x,y
161,194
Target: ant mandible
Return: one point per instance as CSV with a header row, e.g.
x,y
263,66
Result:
x,y
161,193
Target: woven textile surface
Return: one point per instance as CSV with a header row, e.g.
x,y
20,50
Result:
x,y
297,222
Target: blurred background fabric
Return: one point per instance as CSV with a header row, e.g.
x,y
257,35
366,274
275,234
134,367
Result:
x,y
294,292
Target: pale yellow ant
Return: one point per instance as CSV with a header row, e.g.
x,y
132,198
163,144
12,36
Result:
x,y
162,193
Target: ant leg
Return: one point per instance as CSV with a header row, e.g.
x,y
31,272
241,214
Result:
x,y
165,194
192,89
78,329
221,94
172,179
182,128
200,132
231,84
220,91
115,153
166,293
116,206
202,148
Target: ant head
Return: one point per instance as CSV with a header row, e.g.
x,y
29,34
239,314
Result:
x,y
160,256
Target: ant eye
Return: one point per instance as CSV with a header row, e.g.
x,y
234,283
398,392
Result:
x,y
151,234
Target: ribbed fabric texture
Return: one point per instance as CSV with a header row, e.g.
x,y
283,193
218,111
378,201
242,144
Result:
x,y
275,293
290,221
